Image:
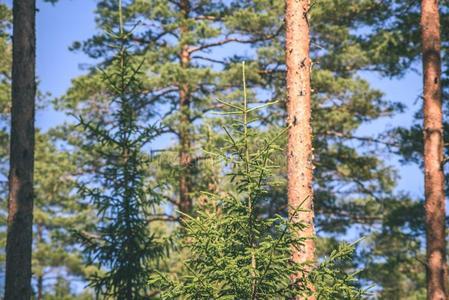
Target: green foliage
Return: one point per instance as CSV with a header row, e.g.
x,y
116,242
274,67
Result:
x,y
396,48
56,213
62,291
237,252
5,103
354,186
347,161
332,281
210,25
122,245
6,58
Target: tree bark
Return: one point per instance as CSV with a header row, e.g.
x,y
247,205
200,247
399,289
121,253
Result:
x,y
20,202
185,157
300,156
435,213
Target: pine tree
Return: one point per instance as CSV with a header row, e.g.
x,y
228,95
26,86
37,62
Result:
x,y
353,186
435,205
341,102
397,48
122,245
20,202
300,156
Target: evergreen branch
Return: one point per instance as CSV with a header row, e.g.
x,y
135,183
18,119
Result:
x,y
284,232
227,113
360,138
222,62
262,106
239,108
227,41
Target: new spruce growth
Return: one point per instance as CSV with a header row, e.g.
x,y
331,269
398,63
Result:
x,y
235,251
122,244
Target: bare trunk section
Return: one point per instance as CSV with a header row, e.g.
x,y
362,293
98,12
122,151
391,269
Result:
x,y
185,157
300,165
20,203
435,213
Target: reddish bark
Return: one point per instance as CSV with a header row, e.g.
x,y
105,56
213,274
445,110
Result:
x,y
437,274
300,156
20,202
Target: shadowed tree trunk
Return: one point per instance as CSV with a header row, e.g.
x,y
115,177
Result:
x,y
300,165
435,213
20,203
185,157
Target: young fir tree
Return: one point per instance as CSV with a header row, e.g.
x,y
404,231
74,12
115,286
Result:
x,y
236,252
122,244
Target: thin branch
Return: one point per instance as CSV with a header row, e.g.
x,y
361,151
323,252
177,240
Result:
x,y
360,138
231,40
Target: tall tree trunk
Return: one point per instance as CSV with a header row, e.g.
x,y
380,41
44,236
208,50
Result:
x,y
300,165
20,203
185,156
435,212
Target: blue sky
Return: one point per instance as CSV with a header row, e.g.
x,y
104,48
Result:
x,y
58,26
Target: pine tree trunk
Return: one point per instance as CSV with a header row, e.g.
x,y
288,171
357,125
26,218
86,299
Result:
x,y
20,204
300,165
185,158
435,212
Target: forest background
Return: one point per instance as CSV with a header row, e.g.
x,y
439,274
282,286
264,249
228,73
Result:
x,y
60,25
